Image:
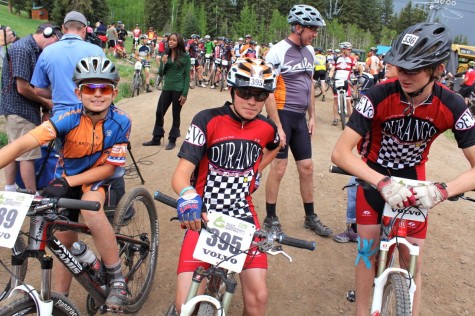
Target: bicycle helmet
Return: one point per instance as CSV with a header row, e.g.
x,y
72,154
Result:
x,y
207,37
305,15
345,45
95,67
422,45
144,36
471,64
248,36
245,69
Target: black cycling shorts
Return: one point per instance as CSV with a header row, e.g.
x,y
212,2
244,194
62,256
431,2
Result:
x,y
465,90
296,131
319,75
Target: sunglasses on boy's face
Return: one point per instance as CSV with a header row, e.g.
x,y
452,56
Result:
x,y
91,88
246,94
409,72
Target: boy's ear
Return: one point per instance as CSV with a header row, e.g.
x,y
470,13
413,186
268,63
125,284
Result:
x,y
78,93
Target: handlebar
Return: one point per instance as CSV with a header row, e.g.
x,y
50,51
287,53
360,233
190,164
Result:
x,y
336,169
79,204
280,237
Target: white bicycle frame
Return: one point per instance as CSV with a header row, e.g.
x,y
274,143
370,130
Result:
x,y
383,273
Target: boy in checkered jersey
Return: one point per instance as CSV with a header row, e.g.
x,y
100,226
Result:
x,y
393,127
223,155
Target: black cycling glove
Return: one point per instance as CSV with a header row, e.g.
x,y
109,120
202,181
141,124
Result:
x,y
57,188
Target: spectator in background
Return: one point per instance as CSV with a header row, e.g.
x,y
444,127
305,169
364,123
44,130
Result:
x,y
20,105
247,44
175,69
56,64
101,32
373,64
112,37
121,31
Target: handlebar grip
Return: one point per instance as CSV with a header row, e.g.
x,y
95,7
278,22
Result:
x,y
294,242
79,204
165,199
336,169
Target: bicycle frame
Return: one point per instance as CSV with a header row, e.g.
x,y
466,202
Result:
x,y
41,236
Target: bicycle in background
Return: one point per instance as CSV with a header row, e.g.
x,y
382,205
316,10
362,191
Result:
x,y
226,251
136,227
138,81
341,87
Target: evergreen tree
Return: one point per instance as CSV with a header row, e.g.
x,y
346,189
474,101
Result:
x,y
157,13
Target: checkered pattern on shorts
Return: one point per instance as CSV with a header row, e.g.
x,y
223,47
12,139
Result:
x,y
397,155
226,192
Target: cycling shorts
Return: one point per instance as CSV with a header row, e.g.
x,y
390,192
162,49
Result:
x,y
319,75
466,90
296,131
146,63
369,211
254,260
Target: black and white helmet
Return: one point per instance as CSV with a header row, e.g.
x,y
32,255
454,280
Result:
x,y
96,67
305,15
252,73
422,45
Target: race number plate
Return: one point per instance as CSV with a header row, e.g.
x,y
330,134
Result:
x,y
230,237
339,83
413,213
224,63
13,209
256,82
138,65
217,61
192,61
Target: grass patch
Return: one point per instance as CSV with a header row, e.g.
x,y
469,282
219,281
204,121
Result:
x,y
449,134
3,139
21,24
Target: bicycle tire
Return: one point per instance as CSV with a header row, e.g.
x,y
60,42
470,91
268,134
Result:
x,y
5,277
158,81
136,216
23,304
396,299
136,81
206,70
342,109
206,309
211,77
171,310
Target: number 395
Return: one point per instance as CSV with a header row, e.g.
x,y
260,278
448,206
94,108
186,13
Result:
x,y
224,240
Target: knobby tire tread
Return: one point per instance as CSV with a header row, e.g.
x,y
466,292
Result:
x,y
23,304
396,286
145,220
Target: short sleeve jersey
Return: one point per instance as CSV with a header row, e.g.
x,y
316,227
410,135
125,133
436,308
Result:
x,y
394,139
343,67
144,51
470,75
83,145
320,62
227,153
294,70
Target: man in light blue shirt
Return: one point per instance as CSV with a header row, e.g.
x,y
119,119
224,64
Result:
x,y
52,77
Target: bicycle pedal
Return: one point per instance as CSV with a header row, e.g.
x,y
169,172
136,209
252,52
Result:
x,y
351,296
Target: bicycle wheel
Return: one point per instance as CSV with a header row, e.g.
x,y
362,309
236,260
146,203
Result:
x,y
136,217
206,309
318,88
206,69
158,81
136,82
396,299
23,304
5,277
211,77
342,109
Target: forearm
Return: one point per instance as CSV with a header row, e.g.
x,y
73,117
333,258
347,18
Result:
x,y
181,176
92,175
267,157
43,92
271,109
25,89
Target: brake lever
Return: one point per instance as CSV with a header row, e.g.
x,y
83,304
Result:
x,y
278,250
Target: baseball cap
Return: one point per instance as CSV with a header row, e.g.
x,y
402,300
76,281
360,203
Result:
x,y
75,16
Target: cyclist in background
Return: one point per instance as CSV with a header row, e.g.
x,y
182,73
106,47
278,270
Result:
x,y
237,48
385,128
251,51
143,54
209,45
344,65
218,53
136,33
152,38
467,85
194,52
247,44
197,181
320,73
373,63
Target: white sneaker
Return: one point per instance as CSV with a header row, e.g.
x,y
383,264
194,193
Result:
x,y
226,89
213,87
203,85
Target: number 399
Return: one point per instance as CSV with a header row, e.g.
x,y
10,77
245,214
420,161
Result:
x,y
7,217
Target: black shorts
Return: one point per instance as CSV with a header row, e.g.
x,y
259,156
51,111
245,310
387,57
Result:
x,y
296,131
319,75
112,43
466,90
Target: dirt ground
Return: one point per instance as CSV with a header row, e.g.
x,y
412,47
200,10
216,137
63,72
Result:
x,y
315,283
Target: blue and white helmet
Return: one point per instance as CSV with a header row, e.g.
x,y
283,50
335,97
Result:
x,y
305,15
